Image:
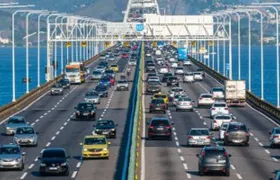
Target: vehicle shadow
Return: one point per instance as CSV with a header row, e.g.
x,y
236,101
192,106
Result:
x,y
212,174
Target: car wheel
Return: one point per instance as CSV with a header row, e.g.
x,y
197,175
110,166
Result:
x,y
42,173
227,173
22,167
201,173
247,144
271,146
66,173
191,110
225,143
150,111
177,109
164,112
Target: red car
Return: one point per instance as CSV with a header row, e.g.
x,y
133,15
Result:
x,y
124,55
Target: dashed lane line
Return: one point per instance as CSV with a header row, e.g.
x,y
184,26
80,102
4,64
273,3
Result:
x,y
239,176
74,174
24,175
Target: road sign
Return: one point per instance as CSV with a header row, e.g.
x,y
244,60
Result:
x,y
154,44
126,44
193,43
107,44
84,44
211,43
68,44
139,27
227,66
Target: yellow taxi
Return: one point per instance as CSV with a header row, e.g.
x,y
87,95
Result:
x,y
95,146
162,96
114,67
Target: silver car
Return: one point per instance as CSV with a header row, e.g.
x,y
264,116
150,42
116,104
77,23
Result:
x,y
96,75
219,119
122,85
13,123
11,157
222,130
100,68
199,137
184,103
198,76
175,90
57,89
92,97
26,136
275,137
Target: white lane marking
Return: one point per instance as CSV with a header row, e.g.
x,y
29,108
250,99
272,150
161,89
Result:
x,y
68,120
37,120
260,144
274,159
65,123
41,117
179,150
74,174
55,106
100,119
48,144
78,164
57,133
239,176
49,111
53,138
232,167
251,134
267,151
45,114
174,133
62,127
41,151
102,115
185,166
189,176
170,117
205,123
200,117
23,176
72,115
36,159
173,128
177,143
176,139
32,124
182,158
256,139
52,108
31,166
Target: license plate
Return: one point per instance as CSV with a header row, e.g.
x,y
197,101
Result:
x,y
53,168
24,140
221,161
7,164
160,128
104,132
237,141
157,108
85,114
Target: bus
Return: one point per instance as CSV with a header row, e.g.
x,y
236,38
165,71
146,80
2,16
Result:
x,y
75,72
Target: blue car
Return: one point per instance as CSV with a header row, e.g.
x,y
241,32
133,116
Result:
x,y
105,81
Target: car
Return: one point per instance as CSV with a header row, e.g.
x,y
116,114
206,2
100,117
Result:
x,y
176,98
218,92
122,85
103,64
124,55
11,125
26,136
85,110
237,133
214,159
96,75
56,89
277,175
184,103
175,90
157,104
111,57
150,75
219,119
160,62
197,76
274,137
179,70
172,81
172,59
174,65
219,108
105,80
162,96
54,161
163,70
166,76
150,68
132,62
187,63
153,87
160,127
65,83
102,90
11,157
188,77
201,71
102,57
95,146
109,72
107,128
205,99
148,62
114,67
100,68
92,97
222,130
199,137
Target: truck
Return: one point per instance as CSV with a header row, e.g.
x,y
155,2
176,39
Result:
x,y
182,54
75,72
235,92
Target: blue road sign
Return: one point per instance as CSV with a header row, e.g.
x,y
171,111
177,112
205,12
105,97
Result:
x,y
139,27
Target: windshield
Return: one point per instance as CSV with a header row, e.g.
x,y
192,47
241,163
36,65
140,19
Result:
x,y
223,117
99,67
109,71
9,150
196,73
85,106
71,70
25,130
219,105
54,154
184,99
64,81
218,90
206,96
16,121
160,96
153,83
104,123
114,66
91,94
92,141
199,132
177,90
214,153
96,73
100,88
122,82
277,131
157,101
172,78
160,123
234,127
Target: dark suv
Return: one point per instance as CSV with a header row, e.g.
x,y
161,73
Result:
x,y
213,159
166,76
157,104
54,161
160,127
150,68
236,133
85,110
172,81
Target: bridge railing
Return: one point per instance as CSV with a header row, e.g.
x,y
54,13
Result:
x,y
27,99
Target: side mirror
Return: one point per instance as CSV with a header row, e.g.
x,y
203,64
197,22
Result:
x,y
229,155
81,144
109,143
23,154
172,123
148,123
269,133
197,155
94,125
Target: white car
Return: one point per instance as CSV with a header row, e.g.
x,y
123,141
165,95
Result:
x,y
176,98
222,130
187,63
275,137
218,93
219,108
172,60
160,62
188,77
197,76
111,58
148,55
219,119
205,99
179,70
184,103
199,136
100,68
174,65
163,70
175,90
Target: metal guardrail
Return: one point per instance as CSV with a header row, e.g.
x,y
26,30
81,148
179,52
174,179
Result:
x,y
265,107
27,99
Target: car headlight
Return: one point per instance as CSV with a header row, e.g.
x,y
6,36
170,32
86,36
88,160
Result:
x,y
84,149
63,164
113,129
8,128
43,164
105,149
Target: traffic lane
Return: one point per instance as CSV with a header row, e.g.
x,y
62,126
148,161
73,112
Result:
x,y
161,161
244,155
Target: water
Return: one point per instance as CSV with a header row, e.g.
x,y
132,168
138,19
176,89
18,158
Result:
x,y
6,70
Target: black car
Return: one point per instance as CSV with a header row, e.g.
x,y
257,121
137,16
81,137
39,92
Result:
x,y
150,68
153,87
104,64
160,127
65,83
237,133
213,159
85,110
166,76
102,90
106,127
54,161
157,104
172,81
201,71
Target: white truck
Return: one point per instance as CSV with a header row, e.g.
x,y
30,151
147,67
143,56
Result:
x,y
235,92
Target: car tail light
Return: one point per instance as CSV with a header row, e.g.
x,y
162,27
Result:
x,y
208,137
226,154
200,98
215,121
151,105
163,105
213,109
203,153
227,134
276,136
190,137
226,108
168,127
247,134
213,98
151,127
